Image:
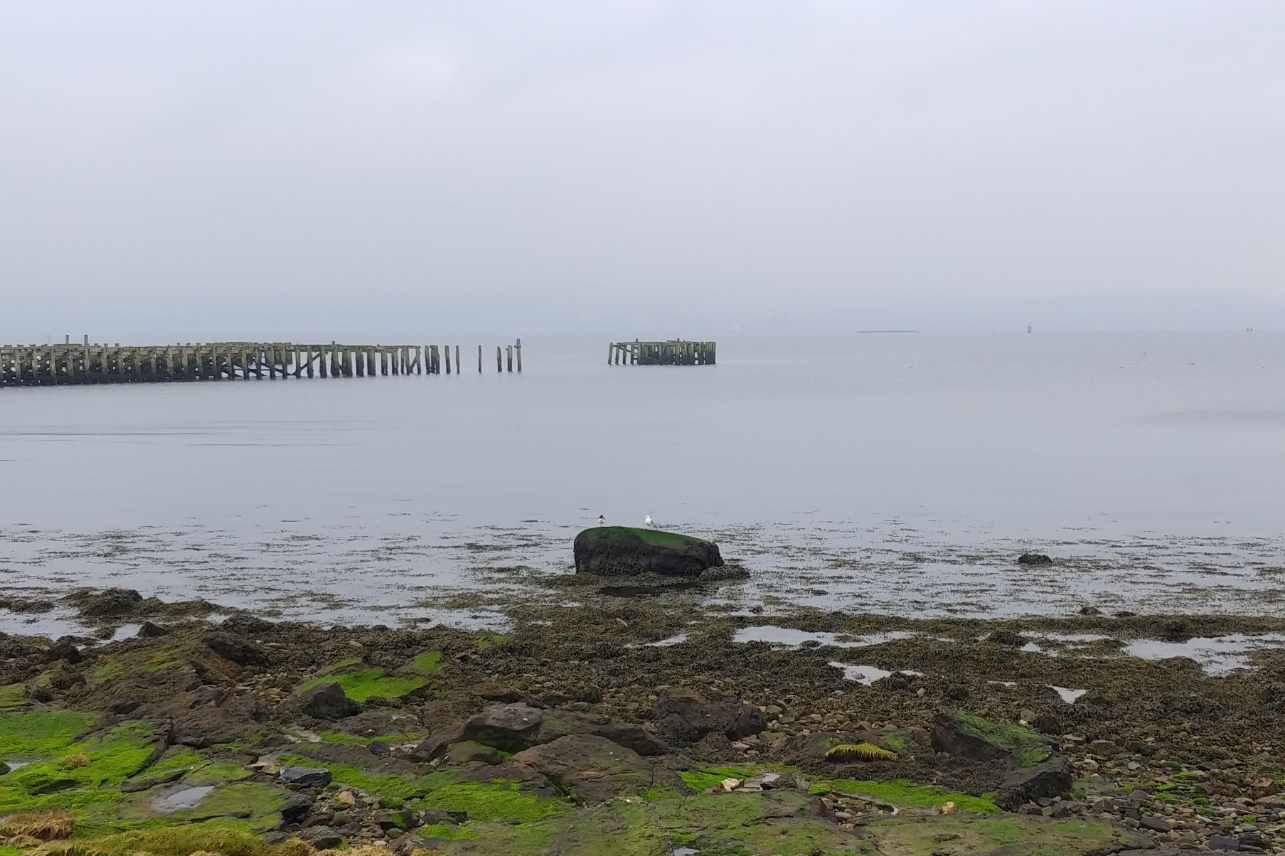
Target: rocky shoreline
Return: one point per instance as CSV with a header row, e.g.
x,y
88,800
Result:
x,y
642,719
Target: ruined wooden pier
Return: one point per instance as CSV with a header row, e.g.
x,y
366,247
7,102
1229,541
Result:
x,y
35,365
674,352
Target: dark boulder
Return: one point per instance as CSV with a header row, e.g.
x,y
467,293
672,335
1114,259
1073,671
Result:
x,y
1034,559
615,550
64,649
322,837
327,701
148,630
1034,768
108,603
308,777
470,752
236,650
685,717
510,726
515,727
594,769
296,807
562,723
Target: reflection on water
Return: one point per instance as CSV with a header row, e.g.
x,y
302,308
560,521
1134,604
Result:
x,y
875,474
1218,655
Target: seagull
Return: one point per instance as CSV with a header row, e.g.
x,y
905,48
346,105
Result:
x,y
602,520
647,520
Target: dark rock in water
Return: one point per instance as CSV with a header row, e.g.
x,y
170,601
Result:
x,y
148,630
614,550
327,701
723,574
308,777
1090,610
108,603
63,649
236,650
1034,559
685,717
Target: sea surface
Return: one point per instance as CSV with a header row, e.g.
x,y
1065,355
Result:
x,y
884,472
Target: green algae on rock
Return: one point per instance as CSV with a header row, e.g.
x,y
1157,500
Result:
x,y
362,684
904,794
1013,835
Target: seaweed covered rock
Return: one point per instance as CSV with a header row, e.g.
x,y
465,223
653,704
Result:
x,y
622,550
108,603
685,717
327,701
1035,767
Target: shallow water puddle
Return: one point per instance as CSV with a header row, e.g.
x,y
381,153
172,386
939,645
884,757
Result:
x,y
181,799
867,675
15,764
665,643
1217,655
791,638
1067,695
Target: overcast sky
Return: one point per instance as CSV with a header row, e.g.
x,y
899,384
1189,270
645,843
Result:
x,y
171,171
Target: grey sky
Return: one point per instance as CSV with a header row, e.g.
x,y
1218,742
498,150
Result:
x,y
184,170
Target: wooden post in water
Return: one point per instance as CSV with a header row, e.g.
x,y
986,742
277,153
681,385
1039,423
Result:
x,y
448,359
479,359
508,357
518,348
499,364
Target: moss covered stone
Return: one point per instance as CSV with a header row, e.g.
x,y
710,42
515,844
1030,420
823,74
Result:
x,y
1013,835
39,735
361,684
496,800
903,794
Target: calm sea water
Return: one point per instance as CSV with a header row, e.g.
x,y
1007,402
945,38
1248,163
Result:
x,y
903,472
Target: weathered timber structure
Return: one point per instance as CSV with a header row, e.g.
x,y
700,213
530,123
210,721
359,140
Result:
x,y
37,365
675,352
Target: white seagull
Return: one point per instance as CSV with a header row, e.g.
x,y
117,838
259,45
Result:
x,y
647,520
602,521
